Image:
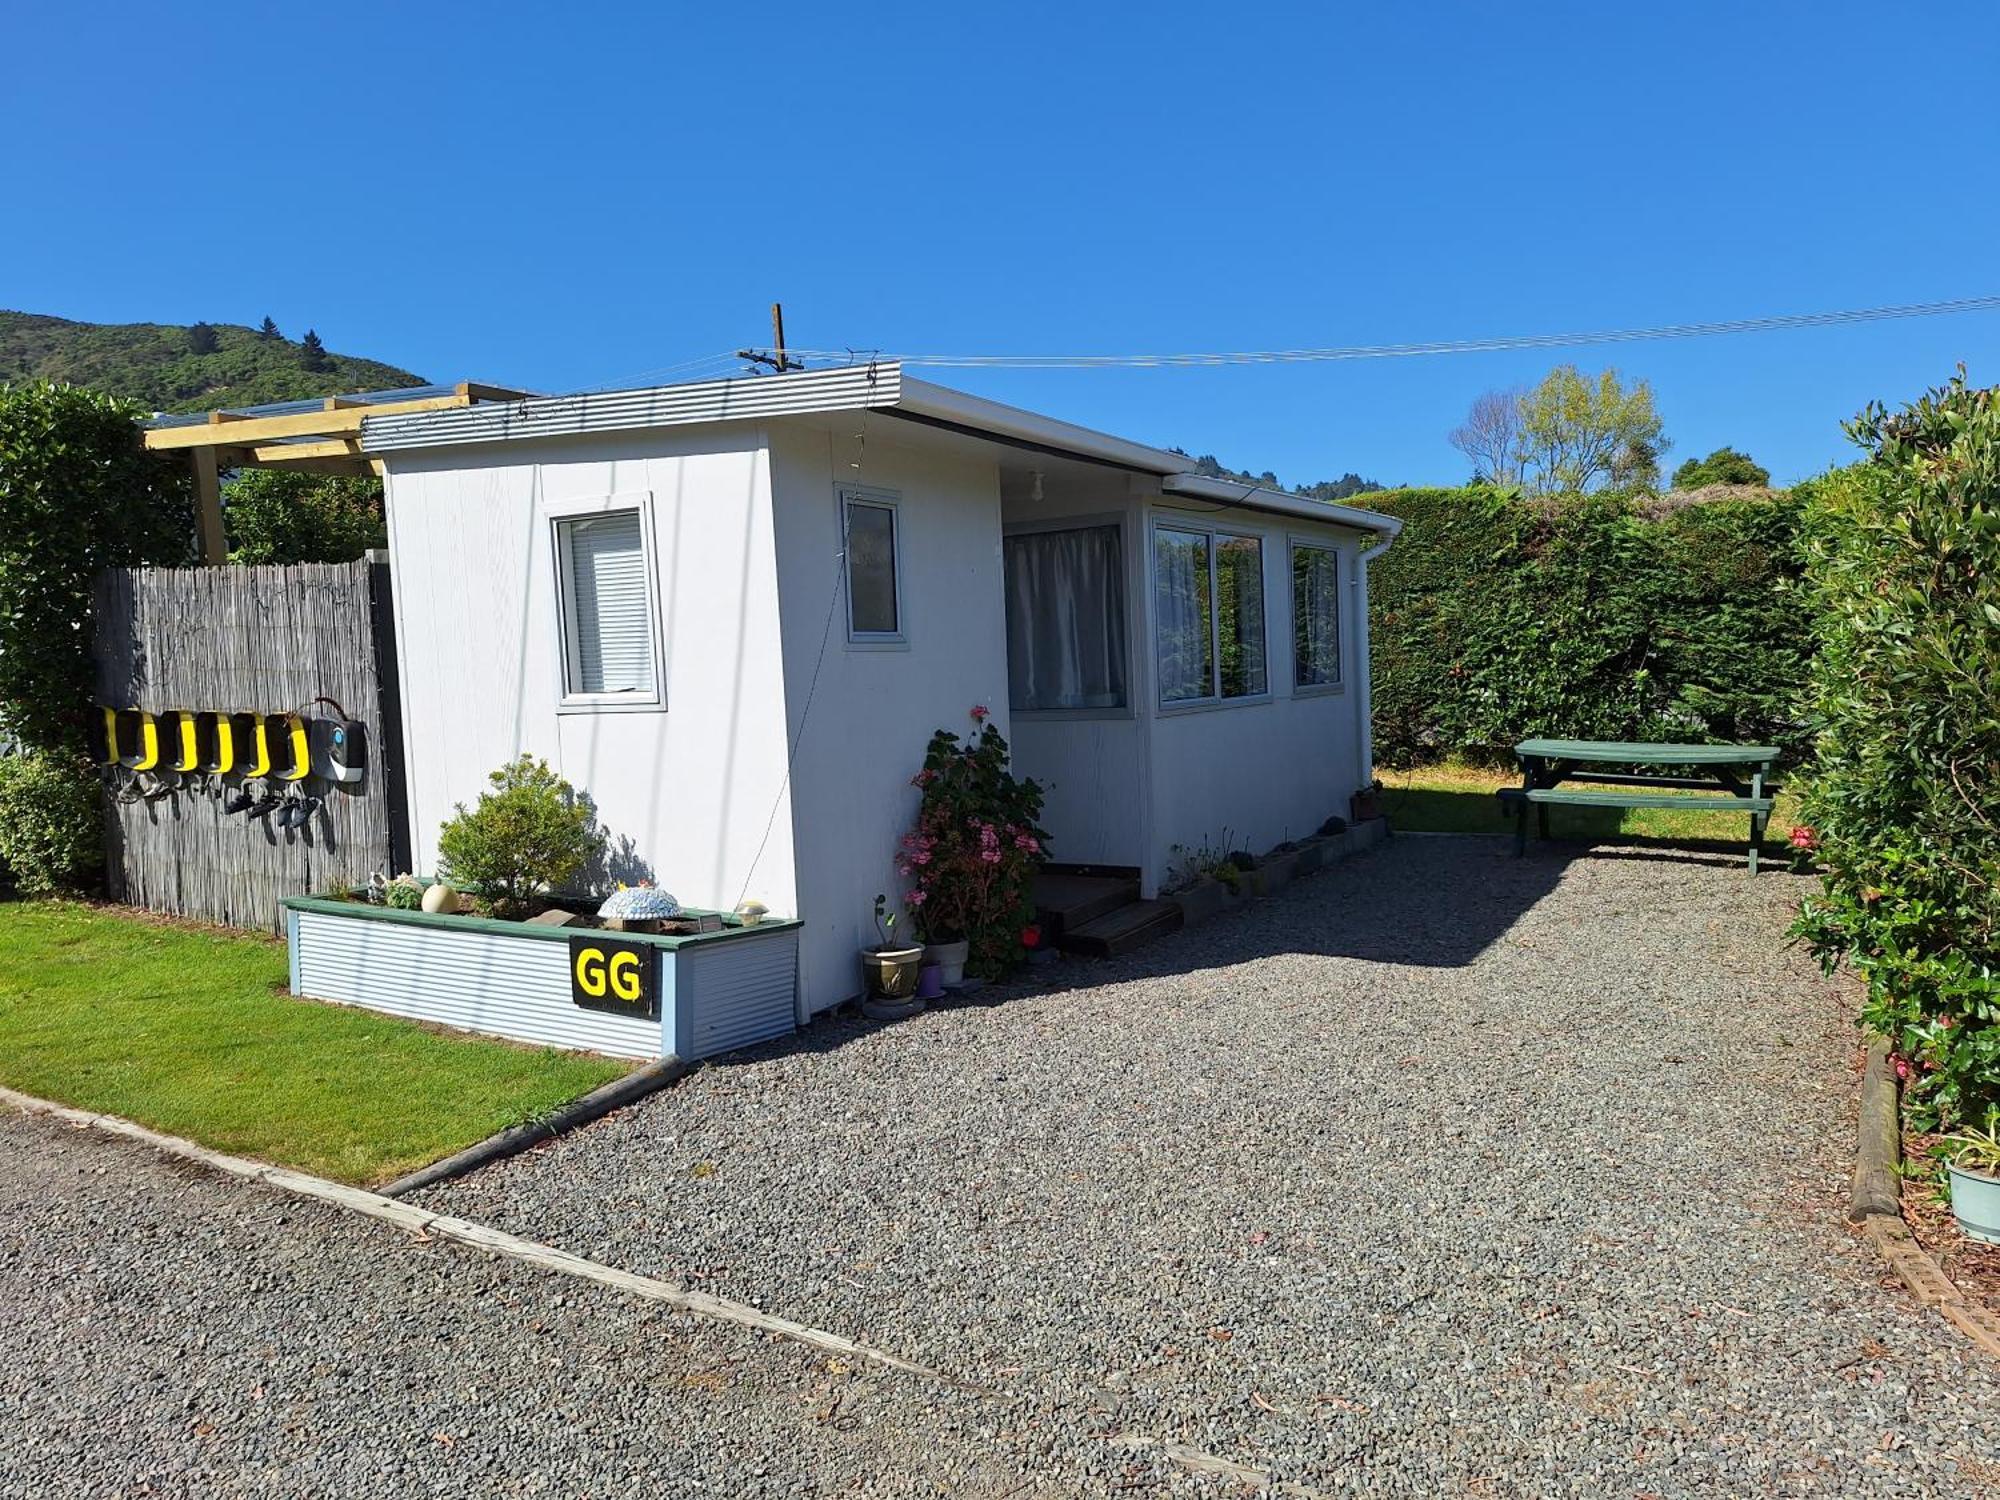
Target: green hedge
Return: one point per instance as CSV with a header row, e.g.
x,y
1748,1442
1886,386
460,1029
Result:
x,y
78,493
1904,792
1494,619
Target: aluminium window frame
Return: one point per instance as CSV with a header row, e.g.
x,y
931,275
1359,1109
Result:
x,y
558,516
1294,541
845,495
1094,520
1193,525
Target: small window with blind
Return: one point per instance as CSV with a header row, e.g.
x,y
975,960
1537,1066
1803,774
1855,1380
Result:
x,y
605,580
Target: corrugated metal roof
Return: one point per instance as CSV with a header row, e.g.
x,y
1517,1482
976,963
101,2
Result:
x,y
748,398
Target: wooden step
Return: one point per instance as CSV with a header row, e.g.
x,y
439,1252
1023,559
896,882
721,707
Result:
x,y
1065,902
1130,926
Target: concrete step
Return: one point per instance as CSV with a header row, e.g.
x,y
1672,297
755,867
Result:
x,y
1065,901
1130,926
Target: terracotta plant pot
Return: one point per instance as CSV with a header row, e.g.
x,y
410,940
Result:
x,y
892,973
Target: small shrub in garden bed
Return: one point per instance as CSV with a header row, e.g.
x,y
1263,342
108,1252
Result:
x,y
1903,798
528,835
976,847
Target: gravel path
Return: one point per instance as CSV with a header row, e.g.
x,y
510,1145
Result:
x,y
1441,1172
169,1333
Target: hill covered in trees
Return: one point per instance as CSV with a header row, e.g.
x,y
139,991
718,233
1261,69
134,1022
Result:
x,y
176,367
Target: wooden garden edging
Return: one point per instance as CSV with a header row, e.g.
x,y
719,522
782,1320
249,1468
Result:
x,y
1876,1203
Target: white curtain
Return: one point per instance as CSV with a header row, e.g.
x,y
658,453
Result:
x,y
1066,619
1181,615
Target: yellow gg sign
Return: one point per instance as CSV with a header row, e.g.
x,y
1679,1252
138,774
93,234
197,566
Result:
x,y
621,978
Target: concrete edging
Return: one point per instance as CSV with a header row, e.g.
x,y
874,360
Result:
x,y
515,1139
1876,1202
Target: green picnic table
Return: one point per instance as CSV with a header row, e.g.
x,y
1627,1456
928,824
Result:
x,y
1703,778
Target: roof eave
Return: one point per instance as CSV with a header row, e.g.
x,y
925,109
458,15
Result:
x,y
1278,502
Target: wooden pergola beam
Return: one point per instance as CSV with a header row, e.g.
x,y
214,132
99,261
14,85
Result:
x,y
208,509
327,441
241,432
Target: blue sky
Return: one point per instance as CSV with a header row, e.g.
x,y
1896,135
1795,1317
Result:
x,y
561,197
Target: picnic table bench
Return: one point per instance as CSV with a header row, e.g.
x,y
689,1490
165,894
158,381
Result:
x,y
1701,778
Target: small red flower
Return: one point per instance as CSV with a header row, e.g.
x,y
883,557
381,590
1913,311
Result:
x,y
981,713
1805,838
1031,936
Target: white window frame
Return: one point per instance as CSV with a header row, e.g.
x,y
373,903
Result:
x,y
556,515
1318,544
847,495
1193,526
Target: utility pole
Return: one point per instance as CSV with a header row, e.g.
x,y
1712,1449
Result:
x,y
777,359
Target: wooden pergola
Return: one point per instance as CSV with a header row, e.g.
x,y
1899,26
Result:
x,y
326,440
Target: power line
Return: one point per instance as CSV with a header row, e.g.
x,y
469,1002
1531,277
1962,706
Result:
x,y
1410,351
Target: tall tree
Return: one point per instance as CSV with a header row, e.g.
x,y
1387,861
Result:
x,y
269,330
202,338
1580,433
1490,436
313,352
1723,466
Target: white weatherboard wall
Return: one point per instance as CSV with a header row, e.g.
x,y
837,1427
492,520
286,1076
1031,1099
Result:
x,y
1266,770
686,791
873,708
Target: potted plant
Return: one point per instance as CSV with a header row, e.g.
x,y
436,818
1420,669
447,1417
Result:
x,y
1972,1158
892,968
1366,804
973,854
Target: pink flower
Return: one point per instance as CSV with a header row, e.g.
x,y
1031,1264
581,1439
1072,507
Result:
x,y
981,713
1805,838
1902,1067
913,898
991,856
1027,842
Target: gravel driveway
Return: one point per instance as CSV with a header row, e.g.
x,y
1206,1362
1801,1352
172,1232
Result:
x,y
170,1333
1441,1172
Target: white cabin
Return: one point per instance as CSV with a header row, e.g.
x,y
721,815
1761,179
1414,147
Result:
x,y
733,613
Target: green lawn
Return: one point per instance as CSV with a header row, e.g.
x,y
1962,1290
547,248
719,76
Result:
x,y
190,1031
1459,799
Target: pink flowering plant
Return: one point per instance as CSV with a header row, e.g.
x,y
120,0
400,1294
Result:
x,y
972,857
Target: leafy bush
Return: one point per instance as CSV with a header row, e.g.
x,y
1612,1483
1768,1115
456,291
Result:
x,y
529,834
51,823
79,493
1904,795
282,516
1494,619
976,847
1723,466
